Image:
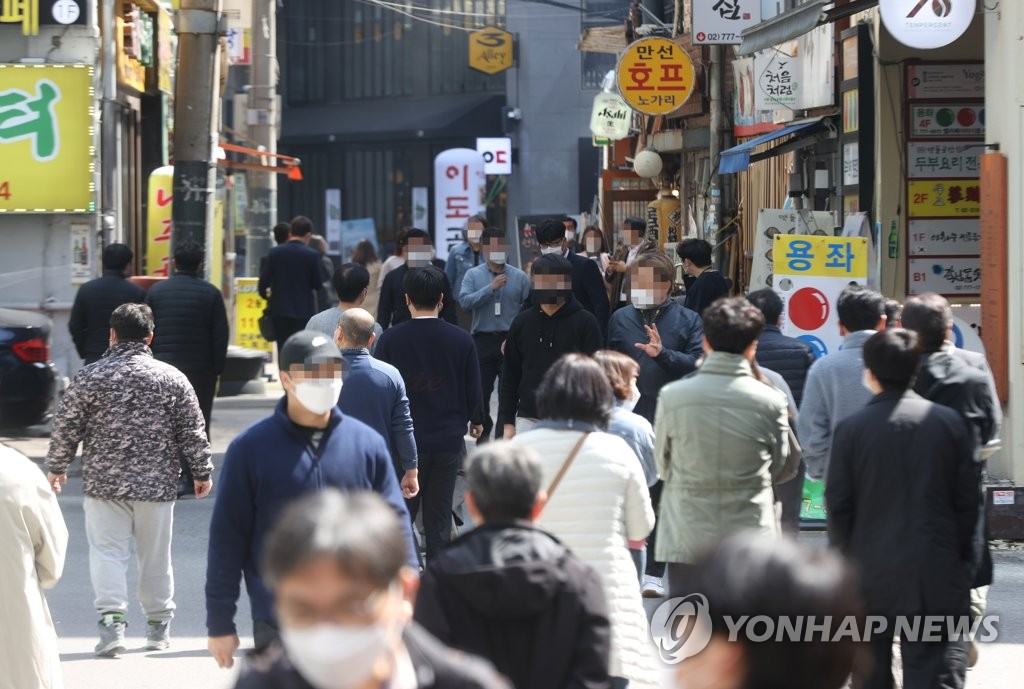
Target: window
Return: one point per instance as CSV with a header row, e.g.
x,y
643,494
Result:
x,y
597,13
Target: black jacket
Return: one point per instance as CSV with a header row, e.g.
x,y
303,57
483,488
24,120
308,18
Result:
x,y
787,356
903,503
90,314
293,274
535,341
707,288
516,596
589,289
191,325
436,667
392,309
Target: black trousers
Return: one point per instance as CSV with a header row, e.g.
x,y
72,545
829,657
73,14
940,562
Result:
x,y
205,385
437,475
926,664
680,580
488,353
791,495
285,328
654,568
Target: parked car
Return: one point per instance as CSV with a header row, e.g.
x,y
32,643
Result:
x,y
27,376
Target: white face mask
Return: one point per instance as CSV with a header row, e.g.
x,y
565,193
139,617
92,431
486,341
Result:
x,y
318,395
593,245
629,404
474,235
496,257
545,250
570,235
333,656
420,258
642,298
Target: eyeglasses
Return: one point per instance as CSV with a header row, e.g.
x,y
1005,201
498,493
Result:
x,y
359,611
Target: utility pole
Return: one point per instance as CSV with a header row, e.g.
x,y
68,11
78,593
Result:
x,y
110,225
261,124
196,110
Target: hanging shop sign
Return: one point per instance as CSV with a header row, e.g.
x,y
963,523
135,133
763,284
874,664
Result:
x,y
497,153
927,24
460,187
938,159
943,198
748,120
952,276
491,50
31,14
655,76
611,117
46,139
945,81
947,120
722,21
944,237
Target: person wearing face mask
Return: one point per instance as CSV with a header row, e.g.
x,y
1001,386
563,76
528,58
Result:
x,y
493,293
592,246
538,336
587,283
344,594
632,245
306,445
570,225
463,257
419,253
704,284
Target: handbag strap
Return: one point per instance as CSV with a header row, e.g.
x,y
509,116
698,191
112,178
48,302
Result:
x,y
565,465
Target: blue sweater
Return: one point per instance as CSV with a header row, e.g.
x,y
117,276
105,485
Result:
x,y
269,465
438,362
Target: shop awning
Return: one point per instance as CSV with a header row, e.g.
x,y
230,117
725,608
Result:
x,y
797,22
737,158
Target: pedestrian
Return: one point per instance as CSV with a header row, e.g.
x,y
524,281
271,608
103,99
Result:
x,y
570,225
493,293
463,257
746,577
373,392
419,253
893,314
833,390
325,295
557,324
511,592
587,283
96,300
190,331
343,591
632,245
438,362
352,284
366,255
395,260
306,445
903,506
290,281
33,540
722,439
280,233
704,284
137,419
594,247
597,499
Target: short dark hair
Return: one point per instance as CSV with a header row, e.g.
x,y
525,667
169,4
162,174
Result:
x,y
492,233
281,232
424,286
188,255
132,322
893,313
364,253
892,356
358,531
349,281
664,271
117,256
576,388
930,316
300,226
551,264
357,327
504,480
478,218
619,368
768,303
697,250
550,231
732,324
569,218
860,308
636,224
414,233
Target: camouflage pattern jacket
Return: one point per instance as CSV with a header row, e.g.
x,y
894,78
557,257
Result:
x,y
138,420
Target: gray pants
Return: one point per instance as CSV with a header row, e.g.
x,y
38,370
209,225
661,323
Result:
x,y
111,528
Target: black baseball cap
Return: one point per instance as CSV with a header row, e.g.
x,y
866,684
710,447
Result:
x,y
307,348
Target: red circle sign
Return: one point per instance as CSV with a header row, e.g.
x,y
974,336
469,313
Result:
x,y
701,36
808,309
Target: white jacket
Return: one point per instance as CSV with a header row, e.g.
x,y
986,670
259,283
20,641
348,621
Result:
x,y
601,501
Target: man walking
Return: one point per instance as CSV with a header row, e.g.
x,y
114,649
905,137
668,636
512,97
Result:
x,y
138,419
704,285
97,299
438,362
419,253
587,284
351,281
493,293
462,258
903,504
290,280
632,245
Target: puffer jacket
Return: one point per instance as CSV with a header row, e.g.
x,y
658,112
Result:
x,y
601,501
191,325
90,314
789,357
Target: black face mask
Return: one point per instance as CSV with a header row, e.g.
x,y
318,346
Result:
x,y
552,296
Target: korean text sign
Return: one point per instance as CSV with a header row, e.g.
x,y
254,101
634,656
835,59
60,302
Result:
x,y
46,139
249,307
460,186
722,21
655,76
158,221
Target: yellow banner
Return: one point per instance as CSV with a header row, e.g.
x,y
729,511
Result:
x,y
249,307
815,256
944,198
158,221
47,154
215,260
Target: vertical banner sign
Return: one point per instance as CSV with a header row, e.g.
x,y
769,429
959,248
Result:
x,y
420,207
460,187
810,272
722,21
158,221
994,272
249,307
83,253
332,221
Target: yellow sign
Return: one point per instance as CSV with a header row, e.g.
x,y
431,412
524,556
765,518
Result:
x,y
944,198
165,52
158,221
47,154
491,50
130,72
249,307
655,76
24,12
815,256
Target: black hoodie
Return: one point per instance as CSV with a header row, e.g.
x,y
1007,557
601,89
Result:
x,y
535,341
516,596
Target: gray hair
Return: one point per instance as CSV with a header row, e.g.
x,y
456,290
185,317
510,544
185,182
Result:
x,y
357,327
504,480
358,531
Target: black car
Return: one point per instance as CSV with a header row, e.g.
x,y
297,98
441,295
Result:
x,y
27,376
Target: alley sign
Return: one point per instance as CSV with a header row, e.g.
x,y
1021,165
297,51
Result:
x,y
491,50
722,21
655,76
610,117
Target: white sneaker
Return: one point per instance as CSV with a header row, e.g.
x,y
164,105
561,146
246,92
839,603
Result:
x,y
652,588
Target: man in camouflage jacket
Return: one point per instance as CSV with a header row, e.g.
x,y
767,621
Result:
x,y
138,420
